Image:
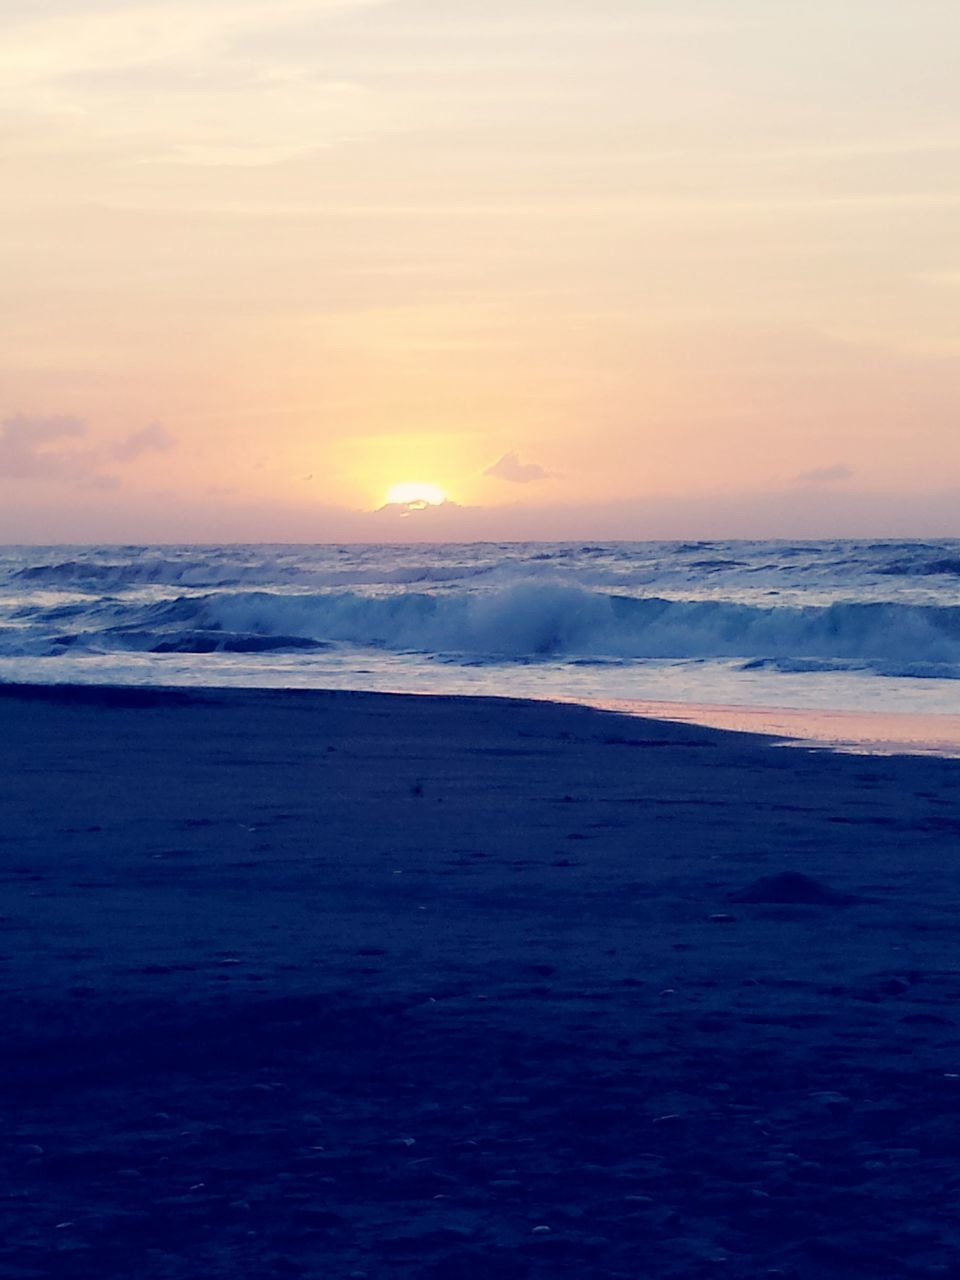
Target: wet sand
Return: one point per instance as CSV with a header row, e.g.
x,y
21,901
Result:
x,y
323,985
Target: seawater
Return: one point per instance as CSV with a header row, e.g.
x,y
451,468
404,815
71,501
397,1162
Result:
x,y
863,626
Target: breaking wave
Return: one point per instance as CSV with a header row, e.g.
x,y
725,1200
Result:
x,y
530,622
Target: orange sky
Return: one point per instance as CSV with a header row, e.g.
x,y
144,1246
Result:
x,y
624,268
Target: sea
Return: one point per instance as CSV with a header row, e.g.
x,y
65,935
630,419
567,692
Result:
x,y
849,644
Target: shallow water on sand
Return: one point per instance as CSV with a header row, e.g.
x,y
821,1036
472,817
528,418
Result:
x,y
861,732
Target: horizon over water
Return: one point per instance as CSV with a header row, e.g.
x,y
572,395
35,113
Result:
x,y
845,642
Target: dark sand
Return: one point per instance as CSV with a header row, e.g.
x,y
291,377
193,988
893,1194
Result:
x,y
334,985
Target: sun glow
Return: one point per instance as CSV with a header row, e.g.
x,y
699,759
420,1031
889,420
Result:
x,y
412,493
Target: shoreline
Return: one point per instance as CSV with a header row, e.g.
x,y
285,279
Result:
x,y
307,982
835,730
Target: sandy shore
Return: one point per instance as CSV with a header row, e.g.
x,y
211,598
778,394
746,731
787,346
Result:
x,y
344,985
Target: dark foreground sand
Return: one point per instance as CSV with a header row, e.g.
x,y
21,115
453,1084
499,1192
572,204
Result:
x,y
334,985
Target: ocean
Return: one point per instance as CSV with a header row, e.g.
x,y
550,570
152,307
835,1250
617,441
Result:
x,y
862,627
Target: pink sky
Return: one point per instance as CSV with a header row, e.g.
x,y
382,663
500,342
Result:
x,y
625,269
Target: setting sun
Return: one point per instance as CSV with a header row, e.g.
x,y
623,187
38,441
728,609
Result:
x,y
414,494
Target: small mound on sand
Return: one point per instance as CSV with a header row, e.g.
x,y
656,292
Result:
x,y
790,887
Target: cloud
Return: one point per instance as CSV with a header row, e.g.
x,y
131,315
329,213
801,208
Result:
x,y
26,452
834,474
510,468
39,448
151,439
418,509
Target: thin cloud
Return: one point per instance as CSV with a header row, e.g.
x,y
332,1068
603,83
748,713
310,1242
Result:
x,y
42,448
32,448
834,474
510,468
102,482
151,439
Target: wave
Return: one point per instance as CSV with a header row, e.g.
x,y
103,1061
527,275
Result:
x,y
841,570
880,608
225,642
934,567
119,576
122,576
530,622
903,669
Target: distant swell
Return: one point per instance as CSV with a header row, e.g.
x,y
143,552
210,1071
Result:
x,y
116,576
934,567
121,576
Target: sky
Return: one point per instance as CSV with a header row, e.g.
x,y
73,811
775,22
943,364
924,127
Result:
x,y
625,268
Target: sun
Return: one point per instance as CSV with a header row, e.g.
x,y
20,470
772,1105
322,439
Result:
x,y
412,493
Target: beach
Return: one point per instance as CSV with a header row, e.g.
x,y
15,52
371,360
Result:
x,y
351,984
